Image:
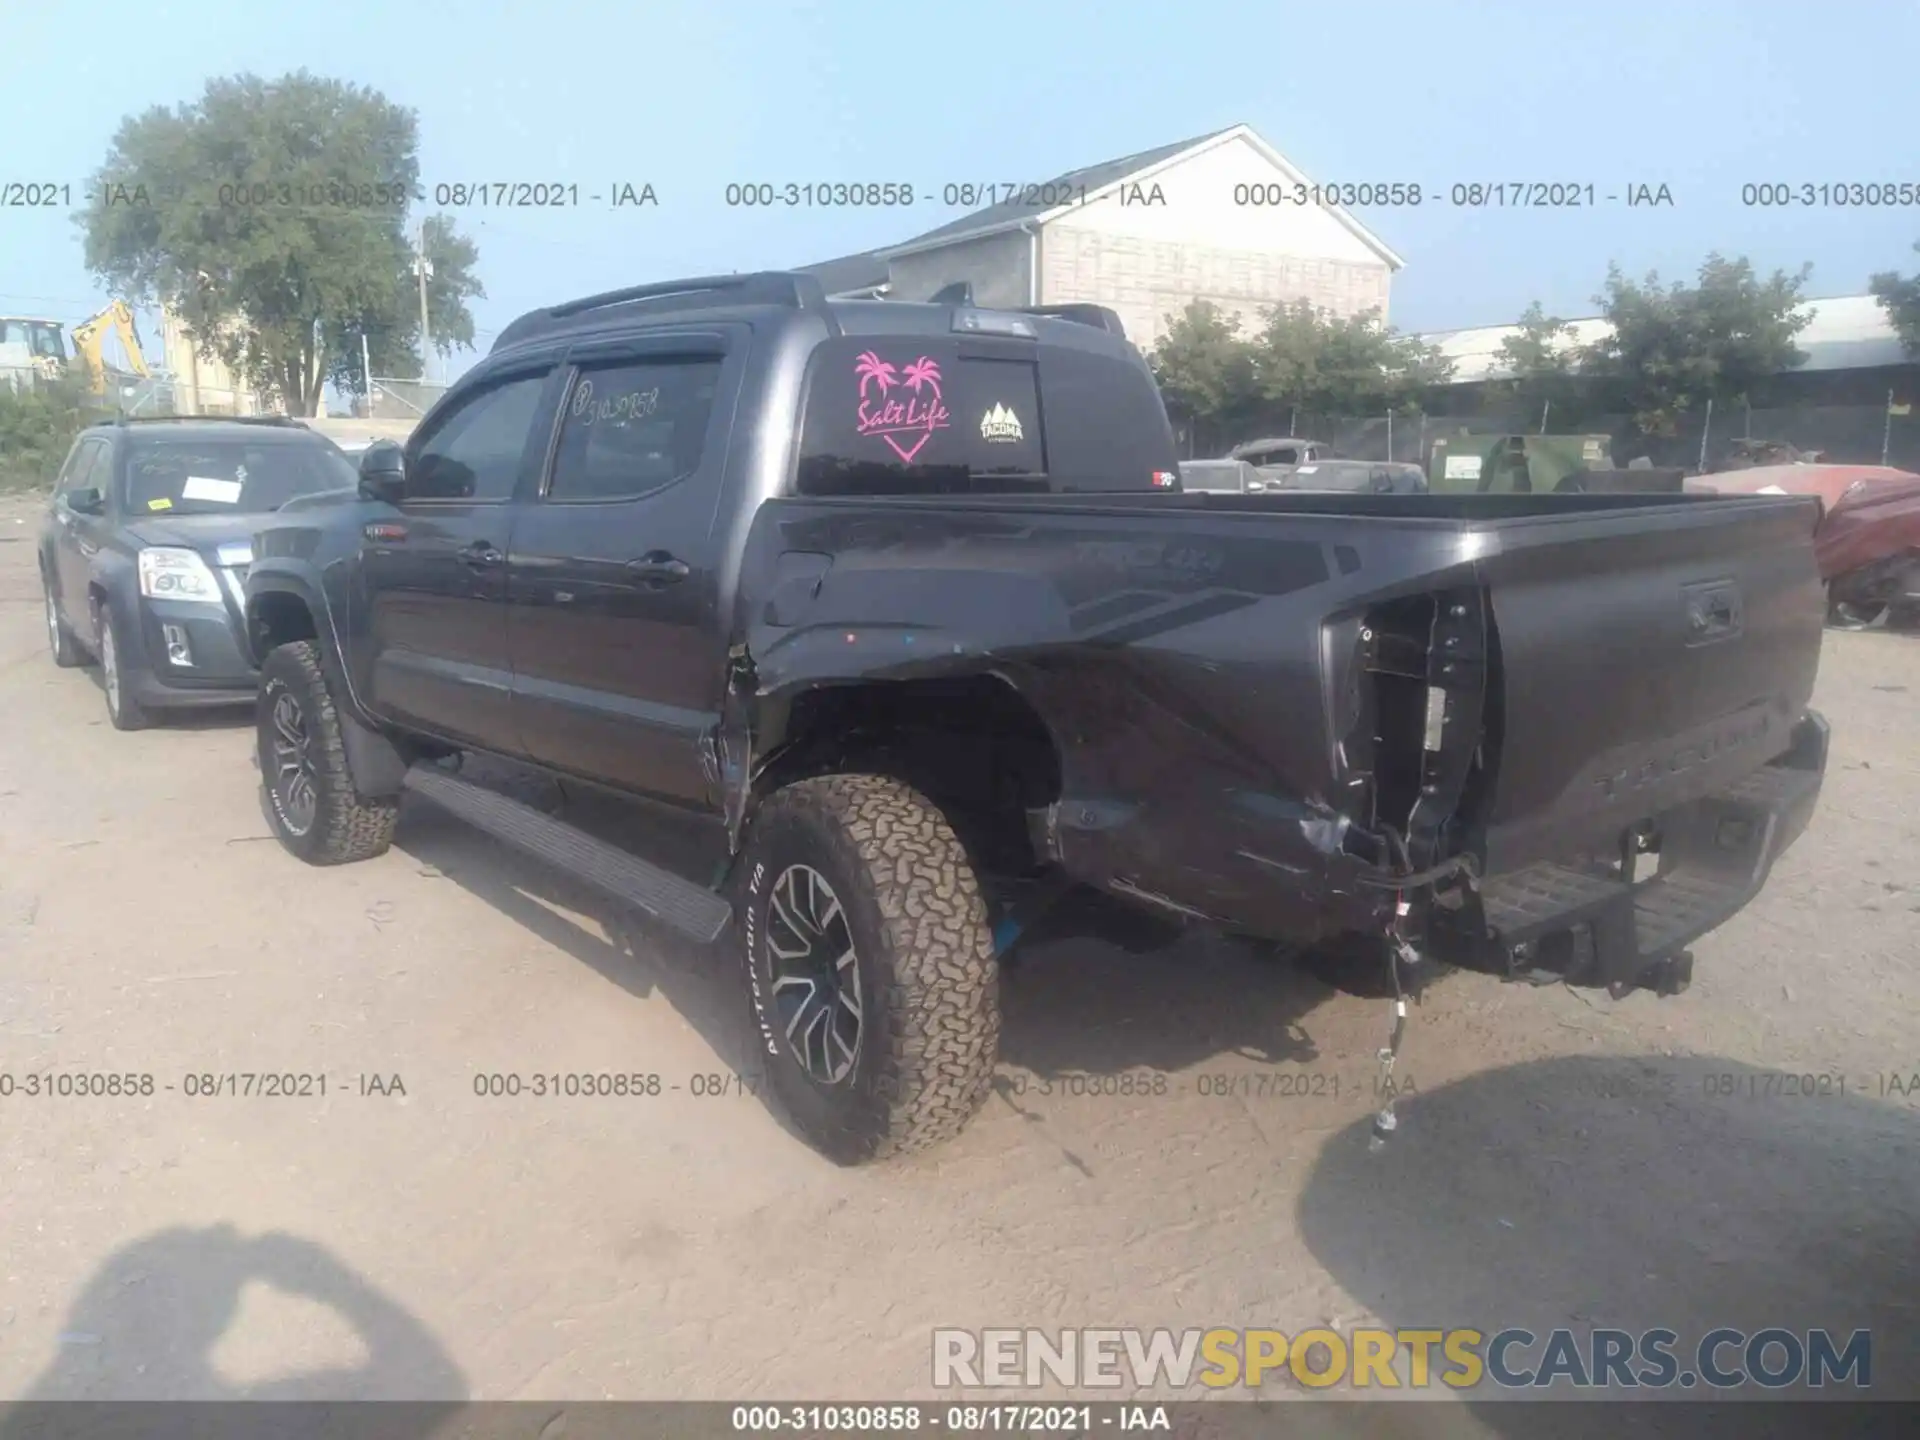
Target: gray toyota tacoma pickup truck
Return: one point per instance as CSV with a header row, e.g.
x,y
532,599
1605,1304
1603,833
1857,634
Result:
x,y
897,613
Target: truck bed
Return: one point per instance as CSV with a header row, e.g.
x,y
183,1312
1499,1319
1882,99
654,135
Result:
x,y
1264,704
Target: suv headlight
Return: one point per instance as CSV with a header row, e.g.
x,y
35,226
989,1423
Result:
x,y
172,574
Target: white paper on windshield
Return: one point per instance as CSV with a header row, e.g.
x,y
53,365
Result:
x,y
1463,467
220,492
1769,490
1306,469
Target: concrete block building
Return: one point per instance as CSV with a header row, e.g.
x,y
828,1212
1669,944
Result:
x,y
1214,218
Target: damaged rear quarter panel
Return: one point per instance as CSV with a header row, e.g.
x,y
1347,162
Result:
x,y
1174,657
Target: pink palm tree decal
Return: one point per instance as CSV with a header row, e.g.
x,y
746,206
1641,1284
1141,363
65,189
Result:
x,y
870,368
923,372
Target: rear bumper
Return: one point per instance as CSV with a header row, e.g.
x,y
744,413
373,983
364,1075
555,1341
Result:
x,y
1586,925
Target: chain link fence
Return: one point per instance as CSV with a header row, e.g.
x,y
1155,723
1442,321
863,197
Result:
x,y
396,399
1702,439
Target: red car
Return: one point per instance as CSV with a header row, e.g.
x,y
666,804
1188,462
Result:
x,y
1868,542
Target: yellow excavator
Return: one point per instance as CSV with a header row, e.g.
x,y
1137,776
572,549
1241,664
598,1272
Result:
x,y
90,334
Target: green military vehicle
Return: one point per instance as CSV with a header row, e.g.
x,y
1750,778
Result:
x,y
1508,464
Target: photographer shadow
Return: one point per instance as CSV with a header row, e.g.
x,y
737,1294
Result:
x,y
149,1322
1688,1194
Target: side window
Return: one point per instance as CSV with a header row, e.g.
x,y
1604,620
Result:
x,y
893,416
75,465
476,453
87,468
1106,423
634,426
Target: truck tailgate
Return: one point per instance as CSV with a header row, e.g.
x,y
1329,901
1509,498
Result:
x,y
1640,667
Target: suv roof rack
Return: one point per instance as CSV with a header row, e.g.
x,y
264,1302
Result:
x,y
791,288
278,421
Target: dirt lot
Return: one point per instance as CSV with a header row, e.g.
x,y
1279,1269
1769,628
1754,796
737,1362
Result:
x,y
1567,1160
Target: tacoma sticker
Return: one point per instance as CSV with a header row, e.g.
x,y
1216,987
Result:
x,y
1000,423
898,405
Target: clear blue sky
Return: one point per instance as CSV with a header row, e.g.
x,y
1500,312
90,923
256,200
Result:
x,y
1702,95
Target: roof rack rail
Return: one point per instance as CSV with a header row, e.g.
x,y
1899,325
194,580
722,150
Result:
x,y
1098,316
794,289
279,421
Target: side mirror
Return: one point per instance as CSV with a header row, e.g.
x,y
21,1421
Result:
x,y
383,472
86,501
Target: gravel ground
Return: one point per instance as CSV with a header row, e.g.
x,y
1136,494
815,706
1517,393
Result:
x,y
1564,1160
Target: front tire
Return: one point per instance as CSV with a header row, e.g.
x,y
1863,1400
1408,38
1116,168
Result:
x,y
123,710
306,789
870,966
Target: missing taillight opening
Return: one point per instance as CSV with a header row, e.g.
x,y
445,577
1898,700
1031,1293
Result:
x,y
1416,744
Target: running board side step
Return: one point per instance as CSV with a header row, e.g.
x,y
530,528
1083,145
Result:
x,y
681,905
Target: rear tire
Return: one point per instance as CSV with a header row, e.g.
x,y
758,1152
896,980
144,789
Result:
x,y
306,789
868,947
61,643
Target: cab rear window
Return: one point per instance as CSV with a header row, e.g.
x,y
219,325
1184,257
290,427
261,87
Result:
x,y
911,415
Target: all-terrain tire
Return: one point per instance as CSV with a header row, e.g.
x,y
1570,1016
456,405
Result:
x,y
341,825
916,921
61,642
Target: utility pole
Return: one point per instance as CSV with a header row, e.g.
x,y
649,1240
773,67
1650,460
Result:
x,y
366,374
423,268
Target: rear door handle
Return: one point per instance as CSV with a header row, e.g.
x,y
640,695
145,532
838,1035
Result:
x,y
657,567
482,554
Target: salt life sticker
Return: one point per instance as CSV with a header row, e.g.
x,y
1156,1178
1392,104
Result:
x,y
901,407
220,492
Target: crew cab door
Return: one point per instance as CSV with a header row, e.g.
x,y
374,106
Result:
x,y
435,568
619,651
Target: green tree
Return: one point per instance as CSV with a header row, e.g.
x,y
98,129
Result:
x,y
1543,366
1671,349
37,425
1900,298
1205,366
258,214
1331,365
393,331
